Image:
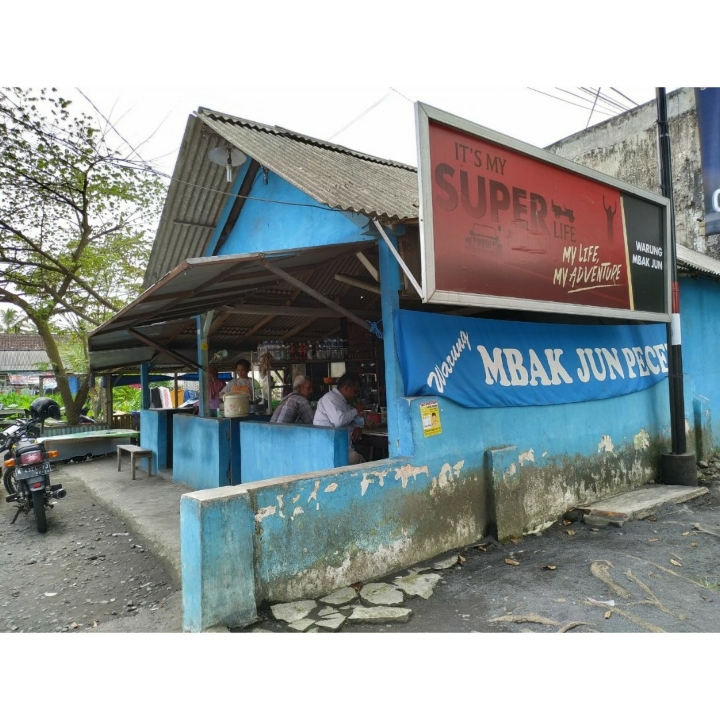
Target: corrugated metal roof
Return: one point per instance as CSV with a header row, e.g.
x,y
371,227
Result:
x,y
691,260
195,198
23,360
266,307
331,174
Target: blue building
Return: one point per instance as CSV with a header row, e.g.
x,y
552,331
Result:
x,y
310,242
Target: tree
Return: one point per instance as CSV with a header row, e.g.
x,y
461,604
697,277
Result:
x,y
12,321
76,222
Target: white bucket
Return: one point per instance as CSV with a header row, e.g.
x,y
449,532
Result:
x,y
236,405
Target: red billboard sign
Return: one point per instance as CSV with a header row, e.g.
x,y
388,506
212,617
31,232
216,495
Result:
x,y
508,225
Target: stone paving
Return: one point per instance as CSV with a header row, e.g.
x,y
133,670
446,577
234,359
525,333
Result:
x,y
373,603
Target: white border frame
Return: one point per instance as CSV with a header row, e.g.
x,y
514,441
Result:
x,y
423,115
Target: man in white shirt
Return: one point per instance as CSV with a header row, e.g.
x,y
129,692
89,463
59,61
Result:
x,y
334,409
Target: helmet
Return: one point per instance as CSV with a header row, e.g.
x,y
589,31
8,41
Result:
x,y
44,408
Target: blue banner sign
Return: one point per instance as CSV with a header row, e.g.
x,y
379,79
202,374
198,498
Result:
x,y
495,363
708,112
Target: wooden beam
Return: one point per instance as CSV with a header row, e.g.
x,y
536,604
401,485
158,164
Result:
x,y
297,328
358,283
280,310
218,322
305,277
368,266
313,293
151,343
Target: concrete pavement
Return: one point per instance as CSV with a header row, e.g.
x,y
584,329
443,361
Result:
x,y
150,506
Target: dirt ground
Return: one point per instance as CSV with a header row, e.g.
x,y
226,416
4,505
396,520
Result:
x,y
660,574
91,574
86,574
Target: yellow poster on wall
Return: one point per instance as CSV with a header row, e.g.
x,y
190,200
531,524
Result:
x,y
430,415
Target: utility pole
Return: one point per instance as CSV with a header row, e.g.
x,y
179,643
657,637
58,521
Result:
x,y
678,467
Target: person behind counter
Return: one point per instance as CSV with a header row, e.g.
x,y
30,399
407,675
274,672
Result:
x,y
241,382
334,409
295,407
216,385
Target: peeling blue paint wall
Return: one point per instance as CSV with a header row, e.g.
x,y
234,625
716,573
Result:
x,y
313,534
699,309
565,455
216,554
317,532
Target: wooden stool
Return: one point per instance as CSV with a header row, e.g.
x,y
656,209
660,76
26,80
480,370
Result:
x,y
135,451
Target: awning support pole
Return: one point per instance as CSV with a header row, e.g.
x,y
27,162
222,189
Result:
x,y
203,324
109,400
401,262
678,467
145,385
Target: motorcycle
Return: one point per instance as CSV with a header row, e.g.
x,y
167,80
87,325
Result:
x,y
26,477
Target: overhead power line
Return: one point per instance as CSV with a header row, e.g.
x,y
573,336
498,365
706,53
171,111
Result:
x,y
361,115
598,94
625,96
569,102
583,99
592,108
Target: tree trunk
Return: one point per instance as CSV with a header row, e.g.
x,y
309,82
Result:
x,y
73,406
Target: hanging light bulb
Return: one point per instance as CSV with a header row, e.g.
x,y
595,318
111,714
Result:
x,y
228,167
229,157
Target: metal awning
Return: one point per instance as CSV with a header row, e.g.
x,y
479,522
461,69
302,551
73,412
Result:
x,y
255,295
693,261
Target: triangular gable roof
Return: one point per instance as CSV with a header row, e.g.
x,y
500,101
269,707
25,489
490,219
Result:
x,y
330,174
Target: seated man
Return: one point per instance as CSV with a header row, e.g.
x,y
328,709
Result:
x,y
334,410
295,407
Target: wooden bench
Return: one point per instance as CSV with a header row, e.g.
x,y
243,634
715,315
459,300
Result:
x,y
135,451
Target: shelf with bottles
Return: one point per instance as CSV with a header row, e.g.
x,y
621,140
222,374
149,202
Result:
x,y
327,350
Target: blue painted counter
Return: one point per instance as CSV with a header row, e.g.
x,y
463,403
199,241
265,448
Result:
x,y
276,449
206,451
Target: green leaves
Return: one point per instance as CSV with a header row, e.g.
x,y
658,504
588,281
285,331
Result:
x,y
77,215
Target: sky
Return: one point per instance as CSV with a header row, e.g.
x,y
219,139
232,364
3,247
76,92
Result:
x,y
378,120
348,73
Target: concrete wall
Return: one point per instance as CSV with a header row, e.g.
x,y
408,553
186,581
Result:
x,y
699,308
564,455
625,147
316,532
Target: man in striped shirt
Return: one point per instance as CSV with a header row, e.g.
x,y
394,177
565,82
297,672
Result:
x,y
295,407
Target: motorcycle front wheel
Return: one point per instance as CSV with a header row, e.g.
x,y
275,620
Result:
x,y
38,501
9,481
